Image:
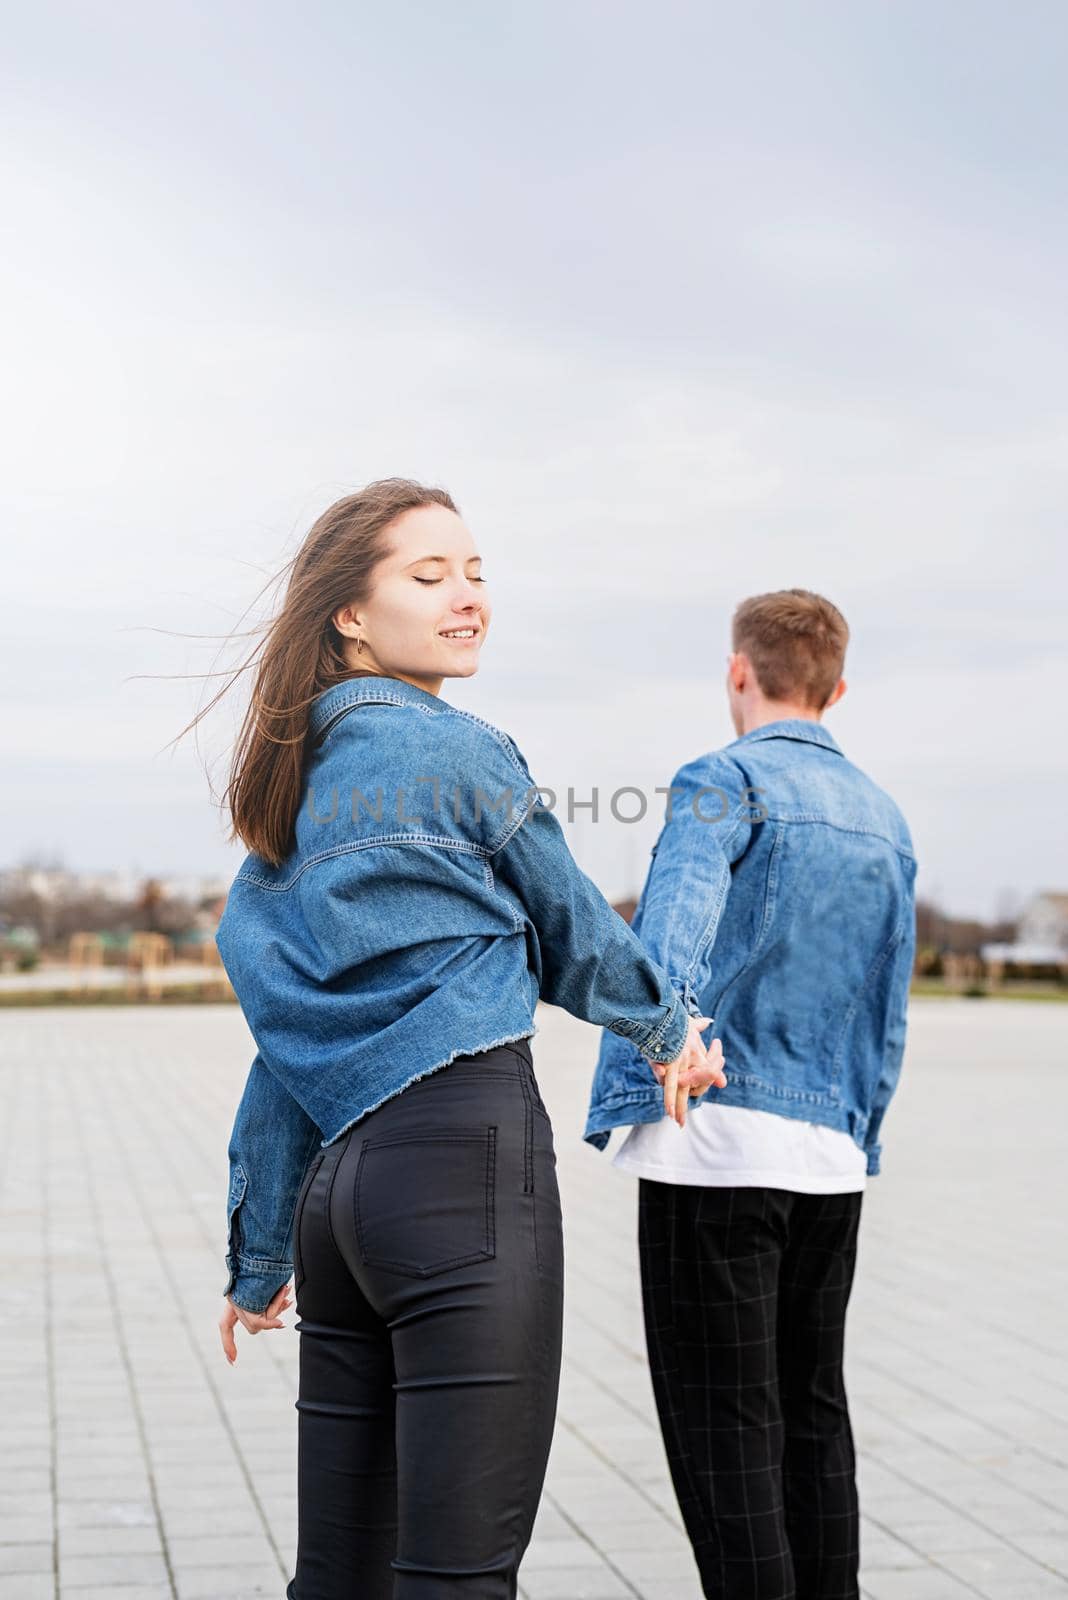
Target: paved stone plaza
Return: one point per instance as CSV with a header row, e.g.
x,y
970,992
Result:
x,y
138,1464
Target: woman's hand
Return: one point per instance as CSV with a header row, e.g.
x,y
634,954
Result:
x,y
254,1321
691,1072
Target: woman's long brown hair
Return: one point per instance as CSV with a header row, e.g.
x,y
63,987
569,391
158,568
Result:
x,y
302,654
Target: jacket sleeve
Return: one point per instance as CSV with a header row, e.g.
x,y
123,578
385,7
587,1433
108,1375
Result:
x,y
706,831
901,977
589,961
271,1146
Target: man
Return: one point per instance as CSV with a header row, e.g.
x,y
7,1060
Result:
x,y
780,901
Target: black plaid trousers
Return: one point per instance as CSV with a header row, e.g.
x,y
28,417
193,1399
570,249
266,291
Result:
x,y
745,1293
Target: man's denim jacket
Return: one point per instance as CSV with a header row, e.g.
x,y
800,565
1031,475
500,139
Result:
x,y
780,901
429,901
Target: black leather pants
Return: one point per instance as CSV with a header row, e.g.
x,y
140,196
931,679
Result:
x,y
428,1261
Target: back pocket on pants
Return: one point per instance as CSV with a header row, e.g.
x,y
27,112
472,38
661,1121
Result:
x,y
424,1202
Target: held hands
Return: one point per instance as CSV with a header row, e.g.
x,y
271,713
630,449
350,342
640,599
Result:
x,y
254,1321
691,1072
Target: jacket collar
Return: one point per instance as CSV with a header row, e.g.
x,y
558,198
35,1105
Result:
x,y
799,728
370,687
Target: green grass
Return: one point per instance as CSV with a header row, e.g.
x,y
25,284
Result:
x,y
186,994
935,989
183,994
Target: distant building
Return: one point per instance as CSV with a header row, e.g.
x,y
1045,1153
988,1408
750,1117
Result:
x,y
56,884
194,886
1041,935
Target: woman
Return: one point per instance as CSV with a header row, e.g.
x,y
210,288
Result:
x,y
405,902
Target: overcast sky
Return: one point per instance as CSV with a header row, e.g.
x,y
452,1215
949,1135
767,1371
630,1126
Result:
x,y
681,302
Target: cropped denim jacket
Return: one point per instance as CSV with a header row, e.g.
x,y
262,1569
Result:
x,y
780,900
428,902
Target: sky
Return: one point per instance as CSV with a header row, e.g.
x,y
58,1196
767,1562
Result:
x,y
682,303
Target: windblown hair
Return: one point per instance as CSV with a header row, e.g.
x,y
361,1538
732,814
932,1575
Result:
x,y
796,642
302,654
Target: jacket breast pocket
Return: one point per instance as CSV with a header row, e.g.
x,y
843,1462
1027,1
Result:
x,y
425,1203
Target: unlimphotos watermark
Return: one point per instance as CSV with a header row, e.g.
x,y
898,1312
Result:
x,y
627,804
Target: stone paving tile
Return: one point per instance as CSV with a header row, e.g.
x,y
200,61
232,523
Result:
x,y
28,1586
135,1591
166,1475
262,1582
919,1585
114,1569
579,1584
555,1553
110,1541
106,1514
997,1572
16,1558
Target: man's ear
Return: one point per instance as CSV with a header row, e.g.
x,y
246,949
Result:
x,y
738,669
836,694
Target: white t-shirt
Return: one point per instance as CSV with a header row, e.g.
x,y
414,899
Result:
x,y
722,1146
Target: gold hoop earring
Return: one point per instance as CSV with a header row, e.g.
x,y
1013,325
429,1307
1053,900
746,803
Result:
x,y
359,647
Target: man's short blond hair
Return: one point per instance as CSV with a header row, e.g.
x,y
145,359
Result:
x,y
796,642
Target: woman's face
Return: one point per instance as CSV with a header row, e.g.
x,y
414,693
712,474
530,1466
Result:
x,y
428,611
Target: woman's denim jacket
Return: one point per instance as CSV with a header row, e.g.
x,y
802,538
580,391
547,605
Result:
x,y
429,901
780,900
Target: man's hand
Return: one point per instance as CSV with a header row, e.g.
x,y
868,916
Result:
x,y
691,1072
254,1321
